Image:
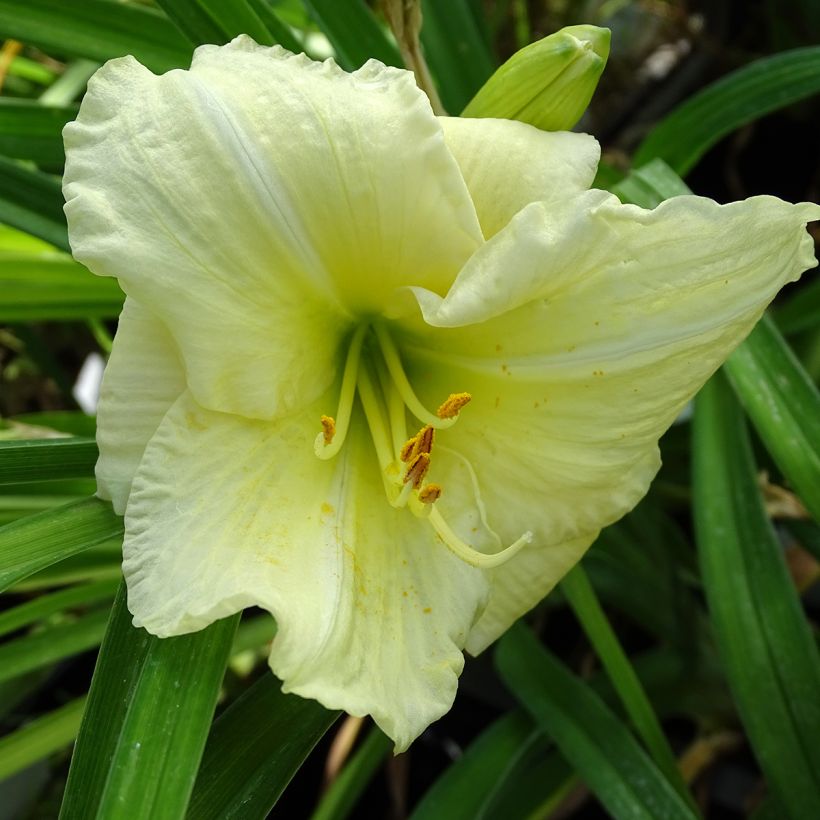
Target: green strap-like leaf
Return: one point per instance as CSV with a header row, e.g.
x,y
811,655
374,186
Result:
x,y
100,562
466,787
455,50
744,95
770,658
253,751
36,287
354,31
96,29
33,131
149,710
32,201
52,644
44,606
33,543
784,405
593,740
44,459
218,21
340,799
587,609
40,738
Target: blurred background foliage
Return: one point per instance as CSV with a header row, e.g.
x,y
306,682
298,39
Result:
x,y
675,674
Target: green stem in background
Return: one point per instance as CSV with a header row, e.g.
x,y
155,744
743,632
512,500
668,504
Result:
x,y
70,84
340,799
584,602
101,335
521,20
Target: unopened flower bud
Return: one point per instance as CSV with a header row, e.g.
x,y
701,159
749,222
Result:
x,y
548,83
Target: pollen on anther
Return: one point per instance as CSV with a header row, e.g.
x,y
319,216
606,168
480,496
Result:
x,y
408,449
417,469
452,405
429,493
328,428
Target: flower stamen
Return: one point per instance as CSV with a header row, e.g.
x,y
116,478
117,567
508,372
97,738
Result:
x,y
468,554
422,442
430,493
417,470
452,405
330,440
328,429
400,380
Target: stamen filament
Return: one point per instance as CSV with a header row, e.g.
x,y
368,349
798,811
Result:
x,y
395,409
375,419
393,362
470,555
341,422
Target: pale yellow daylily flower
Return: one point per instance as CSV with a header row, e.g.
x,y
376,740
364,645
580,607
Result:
x,y
318,272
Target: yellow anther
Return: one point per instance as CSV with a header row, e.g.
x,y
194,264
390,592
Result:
x,y
422,442
328,428
425,438
429,493
408,449
417,469
452,405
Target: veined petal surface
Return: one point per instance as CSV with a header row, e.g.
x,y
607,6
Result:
x,y
263,198
580,331
508,164
372,610
143,378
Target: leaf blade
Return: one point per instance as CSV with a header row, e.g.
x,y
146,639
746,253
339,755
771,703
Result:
x,y
150,703
591,738
771,661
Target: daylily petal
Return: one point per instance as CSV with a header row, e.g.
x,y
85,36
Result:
x,y
372,611
143,378
508,164
595,323
263,198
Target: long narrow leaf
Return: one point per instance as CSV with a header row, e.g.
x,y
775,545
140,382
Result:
x,y
46,459
745,95
455,50
354,32
587,609
253,751
96,29
467,786
784,405
33,131
40,738
51,286
218,21
36,542
44,606
32,201
149,710
53,644
770,658
340,799
593,740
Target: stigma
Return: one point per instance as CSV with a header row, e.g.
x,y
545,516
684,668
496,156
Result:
x,y
373,372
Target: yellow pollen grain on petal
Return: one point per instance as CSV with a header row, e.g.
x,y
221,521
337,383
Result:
x,y
453,404
328,428
430,493
417,469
